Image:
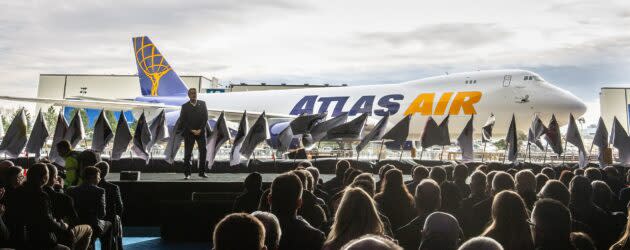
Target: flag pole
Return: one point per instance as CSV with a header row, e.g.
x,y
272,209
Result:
x,y
507,146
529,152
564,154
442,153
380,151
590,151
401,152
483,154
274,157
421,153
545,155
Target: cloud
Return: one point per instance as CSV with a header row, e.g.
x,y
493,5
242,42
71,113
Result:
x,y
450,35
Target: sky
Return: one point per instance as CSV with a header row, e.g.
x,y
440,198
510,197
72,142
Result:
x,y
578,45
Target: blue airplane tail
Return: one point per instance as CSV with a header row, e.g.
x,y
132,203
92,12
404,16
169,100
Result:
x,y
157,78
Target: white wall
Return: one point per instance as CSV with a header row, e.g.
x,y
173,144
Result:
x,y
614,103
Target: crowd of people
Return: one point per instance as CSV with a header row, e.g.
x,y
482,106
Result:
x,y
467,207
53,206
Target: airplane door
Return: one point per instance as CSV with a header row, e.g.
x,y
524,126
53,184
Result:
x,y
507,79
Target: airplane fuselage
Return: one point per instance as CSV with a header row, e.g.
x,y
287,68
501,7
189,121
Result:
x,y
499,92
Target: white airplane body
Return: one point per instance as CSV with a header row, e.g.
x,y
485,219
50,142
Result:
x,y
503,93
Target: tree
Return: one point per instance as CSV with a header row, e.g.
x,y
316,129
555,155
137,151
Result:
x,y
112,119
50,116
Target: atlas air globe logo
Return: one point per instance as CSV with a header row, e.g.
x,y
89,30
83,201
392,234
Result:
x,y
150,62
424,104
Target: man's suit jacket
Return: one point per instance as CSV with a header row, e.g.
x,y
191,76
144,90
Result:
x,y
89,201
62,206
113,200
41,227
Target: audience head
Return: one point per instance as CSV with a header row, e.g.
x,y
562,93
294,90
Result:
x,y
624,241
611,172
460,173
304,164
551,224
549,172
6,163
428,196
438,174
366,182
525,181
88,158
502,181
566,176
556,190
64,148
489,179
420,173
541,179
52,175
315,173
286,194
481,243
239,231
478,183
273,233
37,175
303,178
582,241
593,174
11,176
440,231
91,175
349,176
483,168
581,190
578,171
341,167
509,214
383,170
103,166
356,216
371,242
393,181
602,195
253,182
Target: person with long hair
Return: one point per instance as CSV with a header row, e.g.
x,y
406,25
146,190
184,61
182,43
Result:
x,y
509,222
394,200
356,216
624,242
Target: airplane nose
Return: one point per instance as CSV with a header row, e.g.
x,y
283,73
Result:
x,y
575,105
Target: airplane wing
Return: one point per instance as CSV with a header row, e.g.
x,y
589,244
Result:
x,y
117,105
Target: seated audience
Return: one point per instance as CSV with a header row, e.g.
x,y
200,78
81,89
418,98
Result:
x,y
427,199
549,172
285,199
459,178
438,174
603,196
541,179
272,229
525,184
35,211
239,231
477,193
335,184
584,210
565,177
89,202
248,200
113,204
371,242
582,241
451,198
483,209
311,209
481,243
12,178
593,174
551,225
441,231
62,208
509,222
318,189
418,174
356,216
624,241
366,182
381,176
394,200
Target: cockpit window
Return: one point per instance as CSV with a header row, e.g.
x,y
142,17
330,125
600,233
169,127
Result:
x,y
538,78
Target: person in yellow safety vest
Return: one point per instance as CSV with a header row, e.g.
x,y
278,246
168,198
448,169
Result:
x,y
71,166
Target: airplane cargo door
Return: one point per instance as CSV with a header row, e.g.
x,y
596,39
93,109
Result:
x,y
507,79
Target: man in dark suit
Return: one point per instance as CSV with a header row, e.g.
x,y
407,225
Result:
x,y
63,211
113,203
40,226
194,117
89,201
